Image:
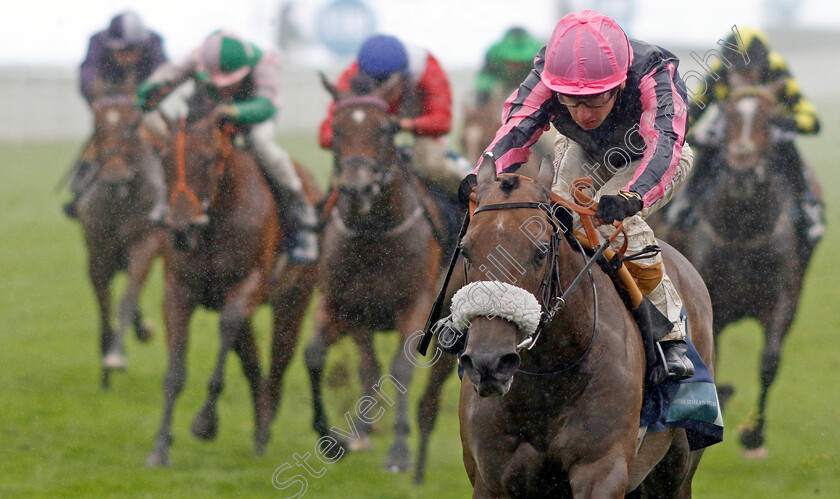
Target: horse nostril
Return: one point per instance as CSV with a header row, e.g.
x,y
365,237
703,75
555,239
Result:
x,y
507,366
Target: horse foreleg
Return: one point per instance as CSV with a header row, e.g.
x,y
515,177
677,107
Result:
x,y
402,369
246,348
326,332
427,411
289,310
140,258
369,374
605,477
101,273
234,321
776,322
177,308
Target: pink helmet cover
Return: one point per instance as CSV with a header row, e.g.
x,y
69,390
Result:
x,y
588,53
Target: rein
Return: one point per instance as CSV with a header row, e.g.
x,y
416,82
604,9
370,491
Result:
x,y
223,139
551,296
181,186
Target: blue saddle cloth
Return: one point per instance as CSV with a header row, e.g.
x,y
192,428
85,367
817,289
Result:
x,y
690,403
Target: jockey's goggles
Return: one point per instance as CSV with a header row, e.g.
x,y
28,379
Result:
x,y
590,101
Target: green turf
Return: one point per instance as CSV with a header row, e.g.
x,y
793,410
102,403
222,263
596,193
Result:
x,y
60,435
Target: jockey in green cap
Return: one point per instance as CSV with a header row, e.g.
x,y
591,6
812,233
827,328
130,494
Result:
x,y
506,64
242,79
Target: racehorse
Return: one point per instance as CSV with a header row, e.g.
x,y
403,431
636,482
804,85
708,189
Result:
x,y
744,241
381,257
560,418
114,216
224,253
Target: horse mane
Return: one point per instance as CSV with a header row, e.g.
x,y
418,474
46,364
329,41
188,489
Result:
x,y
754,91
508,184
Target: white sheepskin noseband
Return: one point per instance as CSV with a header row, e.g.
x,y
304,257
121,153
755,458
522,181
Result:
x,y
496,299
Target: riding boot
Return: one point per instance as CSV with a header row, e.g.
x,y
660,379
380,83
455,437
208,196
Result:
x,y
296,213
81,179
809,209
302,222
154,176
673,346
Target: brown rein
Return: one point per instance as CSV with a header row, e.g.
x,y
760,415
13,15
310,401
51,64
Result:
x,y
223,139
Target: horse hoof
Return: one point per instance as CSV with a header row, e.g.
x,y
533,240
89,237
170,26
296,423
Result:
x,y
398,459
204,426
755,454
362,444
115,360
157,460
146,330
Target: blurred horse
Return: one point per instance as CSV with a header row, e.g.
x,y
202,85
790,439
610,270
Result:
x,y
482,123
224,253
744,240
554,412
114,216
382,254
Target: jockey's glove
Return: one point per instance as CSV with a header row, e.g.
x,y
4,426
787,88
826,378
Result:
x,y
619,206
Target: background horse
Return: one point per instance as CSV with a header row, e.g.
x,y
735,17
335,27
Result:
x,y
380,258
744,241
222,253
482,123
566,422
114,216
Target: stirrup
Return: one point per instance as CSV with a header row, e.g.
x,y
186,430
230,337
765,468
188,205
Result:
x,y
677,365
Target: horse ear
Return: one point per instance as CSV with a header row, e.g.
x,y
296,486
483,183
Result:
x,y
546,174
336,94
486,170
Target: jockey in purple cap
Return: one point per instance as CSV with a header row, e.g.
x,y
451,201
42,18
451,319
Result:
x,y
619,107
118,59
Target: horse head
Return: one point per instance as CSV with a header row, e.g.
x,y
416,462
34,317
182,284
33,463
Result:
x,y
194,168
500,307
480,126
115,139
364,152
748,143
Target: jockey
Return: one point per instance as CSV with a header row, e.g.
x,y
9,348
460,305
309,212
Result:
x,y
619,107
757,65
506,64
119,57
422,105
242,80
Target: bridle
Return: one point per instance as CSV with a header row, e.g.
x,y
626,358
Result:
x,y
383,175
550,295
181,188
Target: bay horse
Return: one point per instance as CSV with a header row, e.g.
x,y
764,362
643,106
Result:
x,y
114,216
560,418
744,241
380,261
223,252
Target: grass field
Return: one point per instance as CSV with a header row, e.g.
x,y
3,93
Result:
x,y
61,436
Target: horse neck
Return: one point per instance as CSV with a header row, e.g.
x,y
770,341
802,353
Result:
x,y
744,218
240,182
